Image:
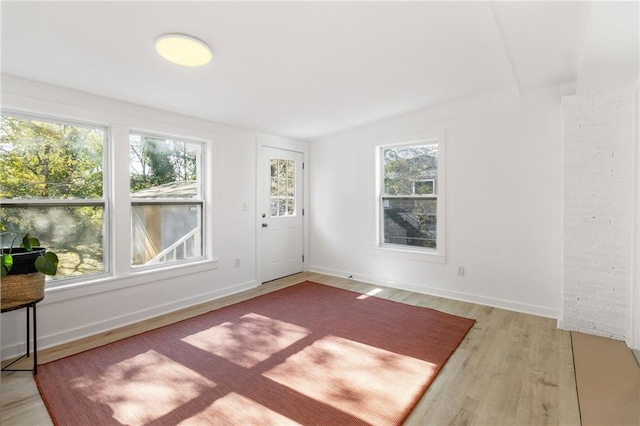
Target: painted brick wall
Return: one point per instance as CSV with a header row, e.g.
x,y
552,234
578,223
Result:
x,y
598,212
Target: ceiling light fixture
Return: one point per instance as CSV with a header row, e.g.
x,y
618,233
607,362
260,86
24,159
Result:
x,y
183,50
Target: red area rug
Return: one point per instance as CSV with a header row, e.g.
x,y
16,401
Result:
x,y
306,354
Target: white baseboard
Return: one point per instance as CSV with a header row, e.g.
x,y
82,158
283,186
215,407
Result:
x,y
455,295
124,320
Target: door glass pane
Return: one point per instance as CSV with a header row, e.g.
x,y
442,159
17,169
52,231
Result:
x,y
283,184
291,169
291,187
282,168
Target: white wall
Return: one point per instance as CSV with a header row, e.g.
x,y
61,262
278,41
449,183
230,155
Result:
x,y
503,212
601,276
70,313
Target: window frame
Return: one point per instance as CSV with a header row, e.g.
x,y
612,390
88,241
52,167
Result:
x,y
201,200
52,282
438,254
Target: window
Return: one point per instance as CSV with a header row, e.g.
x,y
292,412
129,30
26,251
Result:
x,y
424,187
53,185
411,195
282,199
167,200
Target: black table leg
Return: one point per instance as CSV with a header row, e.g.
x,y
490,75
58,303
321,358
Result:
x,y
34,370
28,335
35,342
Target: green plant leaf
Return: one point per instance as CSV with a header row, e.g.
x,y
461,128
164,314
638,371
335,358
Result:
x,y
26,242
29,242
47,264
6,262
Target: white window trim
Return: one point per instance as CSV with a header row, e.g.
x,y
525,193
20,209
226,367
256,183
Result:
x,y
437,255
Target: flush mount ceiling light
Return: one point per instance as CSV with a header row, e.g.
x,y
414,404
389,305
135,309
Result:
x,y
183,50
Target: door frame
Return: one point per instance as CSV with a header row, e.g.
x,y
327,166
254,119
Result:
x,y
634,340
261,171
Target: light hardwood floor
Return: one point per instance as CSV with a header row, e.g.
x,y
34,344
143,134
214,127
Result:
x,y
511,369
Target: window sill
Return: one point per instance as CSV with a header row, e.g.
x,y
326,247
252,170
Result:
x,y
101,284
420,255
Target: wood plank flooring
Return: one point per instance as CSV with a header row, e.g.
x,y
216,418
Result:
x,y
511,369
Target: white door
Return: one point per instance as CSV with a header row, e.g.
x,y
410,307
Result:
x,y
281,213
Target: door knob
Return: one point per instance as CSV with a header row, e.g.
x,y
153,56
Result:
x,y
264,225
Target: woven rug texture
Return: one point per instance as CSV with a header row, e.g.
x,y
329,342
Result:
x,y
308,354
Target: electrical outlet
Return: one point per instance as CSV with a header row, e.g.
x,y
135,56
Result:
x,y
461,271
237,263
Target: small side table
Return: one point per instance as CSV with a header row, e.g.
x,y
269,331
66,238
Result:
x,y
29,305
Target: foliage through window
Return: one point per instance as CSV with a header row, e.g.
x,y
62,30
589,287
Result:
x,y
167,199
409,195
52,185
282,198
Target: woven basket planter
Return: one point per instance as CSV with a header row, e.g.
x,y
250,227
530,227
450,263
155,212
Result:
x,y
21,289
24,283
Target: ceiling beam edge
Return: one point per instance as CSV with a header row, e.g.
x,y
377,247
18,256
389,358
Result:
x,y
506,48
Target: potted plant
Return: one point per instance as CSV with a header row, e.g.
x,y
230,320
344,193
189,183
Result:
x,y
23,270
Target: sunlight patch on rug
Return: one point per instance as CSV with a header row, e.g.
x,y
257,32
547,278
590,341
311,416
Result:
x,y
234,409
248,341
358,379
143,388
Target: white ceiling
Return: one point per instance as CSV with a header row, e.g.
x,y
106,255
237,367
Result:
x,y
302,70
